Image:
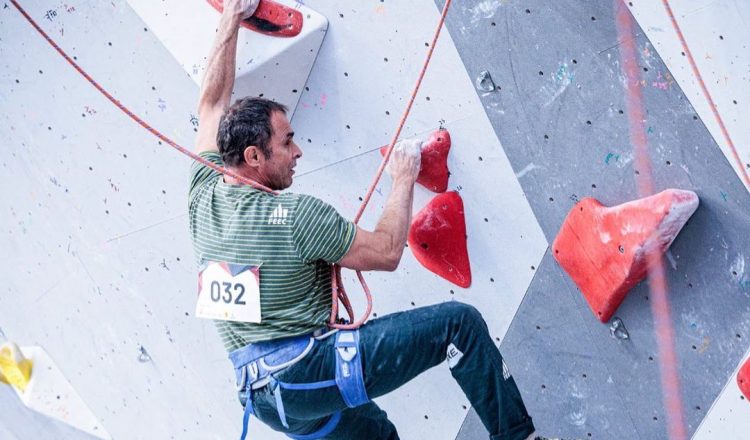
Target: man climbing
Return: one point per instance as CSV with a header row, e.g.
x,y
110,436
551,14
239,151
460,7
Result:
x,y
265,276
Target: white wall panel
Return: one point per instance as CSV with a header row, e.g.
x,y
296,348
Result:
x,y
729,417
94,212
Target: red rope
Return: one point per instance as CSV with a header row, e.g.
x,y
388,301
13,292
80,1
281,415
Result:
x,y
706,94
338,291
337,286
664,334
132,115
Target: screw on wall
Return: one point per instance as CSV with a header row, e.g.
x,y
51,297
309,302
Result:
x,y
143,355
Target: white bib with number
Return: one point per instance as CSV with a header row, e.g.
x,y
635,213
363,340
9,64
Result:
x,y
229,292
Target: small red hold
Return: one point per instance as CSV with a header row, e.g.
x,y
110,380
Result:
x,y
743,379
270,18
606,250
437,238
434,173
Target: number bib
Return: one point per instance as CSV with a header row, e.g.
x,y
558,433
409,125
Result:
x,y
229,292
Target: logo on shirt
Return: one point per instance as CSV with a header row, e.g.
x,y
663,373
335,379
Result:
x,y
278,216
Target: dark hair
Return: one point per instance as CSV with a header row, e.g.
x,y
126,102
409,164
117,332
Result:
x,y
247,122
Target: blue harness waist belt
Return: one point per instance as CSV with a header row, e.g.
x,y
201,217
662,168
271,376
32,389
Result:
x,y
255,366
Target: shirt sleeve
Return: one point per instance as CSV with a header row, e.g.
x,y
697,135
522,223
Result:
x,y
320,233
200,173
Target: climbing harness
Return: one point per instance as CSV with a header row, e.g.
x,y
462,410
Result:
x,y
256,365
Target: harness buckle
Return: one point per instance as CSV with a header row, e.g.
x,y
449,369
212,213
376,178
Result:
x,y
252,368
347,353
242,380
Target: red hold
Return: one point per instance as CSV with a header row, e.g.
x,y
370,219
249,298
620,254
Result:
x,y
270,18
743,379
605,250
434,173
437,238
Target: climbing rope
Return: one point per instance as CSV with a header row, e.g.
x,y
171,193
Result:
x,y
132,115
337,285
706,94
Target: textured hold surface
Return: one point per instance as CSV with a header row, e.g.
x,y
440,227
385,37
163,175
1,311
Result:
x,y
605,250
434,173
743,379
270,18
437,238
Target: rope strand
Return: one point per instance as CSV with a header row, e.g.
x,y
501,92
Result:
x,y
706,94
337,286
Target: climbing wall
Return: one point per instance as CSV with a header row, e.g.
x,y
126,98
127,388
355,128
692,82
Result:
x,y
100,206
560,110
717,36
99,264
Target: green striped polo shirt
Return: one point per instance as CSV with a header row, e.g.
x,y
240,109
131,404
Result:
x,y
293,238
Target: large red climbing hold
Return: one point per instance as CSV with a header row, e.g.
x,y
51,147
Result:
x,y
434,173
605,250
437,238
270,18
743,379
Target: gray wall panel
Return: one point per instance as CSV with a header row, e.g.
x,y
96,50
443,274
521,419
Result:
x,y
557,66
